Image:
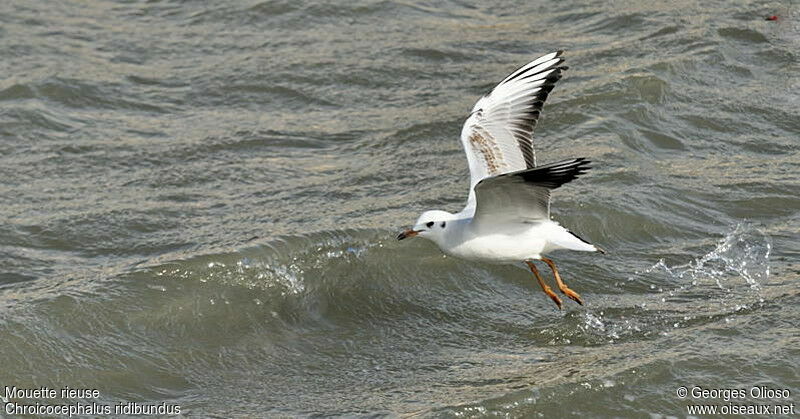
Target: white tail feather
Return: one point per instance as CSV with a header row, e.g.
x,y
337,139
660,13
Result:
x,y
565,239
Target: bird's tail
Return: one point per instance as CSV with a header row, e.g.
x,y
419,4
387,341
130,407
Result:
x,y
572,241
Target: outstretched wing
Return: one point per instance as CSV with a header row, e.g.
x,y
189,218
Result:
x,y
523,196
498,134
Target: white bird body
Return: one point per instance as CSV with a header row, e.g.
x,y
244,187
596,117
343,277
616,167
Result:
x,y
509,244
507,216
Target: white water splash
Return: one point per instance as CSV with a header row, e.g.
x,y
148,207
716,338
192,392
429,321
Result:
x,y
282,266
743,254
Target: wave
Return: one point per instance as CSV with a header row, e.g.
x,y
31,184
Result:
x,y
373,308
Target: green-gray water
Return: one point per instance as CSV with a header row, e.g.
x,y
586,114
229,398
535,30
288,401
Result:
x,y
199,204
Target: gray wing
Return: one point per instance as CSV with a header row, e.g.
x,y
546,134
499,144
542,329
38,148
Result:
x,y
524,195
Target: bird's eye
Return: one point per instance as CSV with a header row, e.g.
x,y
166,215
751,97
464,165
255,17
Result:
x,y
443,224
429,224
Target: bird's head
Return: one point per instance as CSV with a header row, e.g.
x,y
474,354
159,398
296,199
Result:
x,y
431,225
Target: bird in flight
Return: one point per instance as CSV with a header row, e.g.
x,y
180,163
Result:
x,y
507,216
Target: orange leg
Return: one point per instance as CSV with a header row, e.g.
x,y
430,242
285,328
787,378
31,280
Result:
x,y
545,287
561,285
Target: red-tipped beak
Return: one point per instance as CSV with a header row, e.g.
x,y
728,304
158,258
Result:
x,y
406,234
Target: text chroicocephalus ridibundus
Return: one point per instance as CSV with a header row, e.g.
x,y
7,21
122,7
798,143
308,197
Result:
x,y
507,217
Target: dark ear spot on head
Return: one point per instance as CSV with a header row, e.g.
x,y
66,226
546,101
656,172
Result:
x,y
429,224
443,224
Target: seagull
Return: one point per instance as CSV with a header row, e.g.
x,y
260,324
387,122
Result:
x,y
507,216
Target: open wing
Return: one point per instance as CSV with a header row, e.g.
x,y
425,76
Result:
x,y
498,134
523,196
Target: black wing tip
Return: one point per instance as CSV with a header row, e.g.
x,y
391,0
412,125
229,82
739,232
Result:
x,y
554,175
549,81
550,176
521,71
